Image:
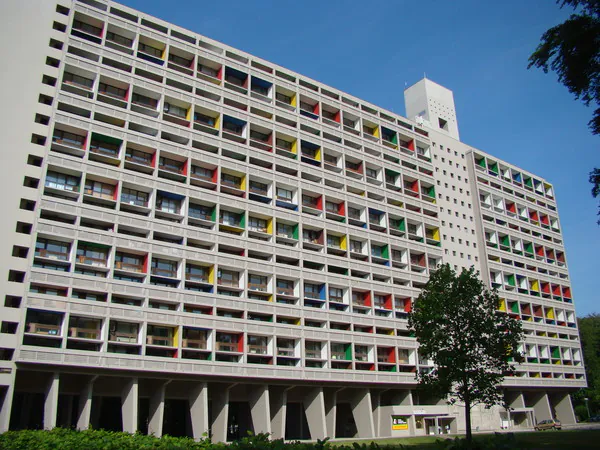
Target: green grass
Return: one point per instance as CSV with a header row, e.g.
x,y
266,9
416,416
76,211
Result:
x,y
536,440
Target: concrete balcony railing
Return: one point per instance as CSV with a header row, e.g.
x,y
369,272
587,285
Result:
x,y
257,287
338,355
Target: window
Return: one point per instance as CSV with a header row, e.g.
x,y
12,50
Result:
x,y
356,246
284,194
285,287
230,218
258,188
354,213
62,181
336,294
307,200
330,159
175,110
97,189
202,172
228,278
283,98
89,254
283,144
200,212
333,241
112,91
311,236
208,71
257,282
78,80
163,267
231,180
256,224
111,36
153,51
331,207
371,173
52,249
169,205
312,290
144,101
64,137
204,119
284,229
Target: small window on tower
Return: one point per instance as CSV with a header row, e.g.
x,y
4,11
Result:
x,y
443,123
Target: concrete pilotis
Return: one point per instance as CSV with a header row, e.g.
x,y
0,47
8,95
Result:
x,y
157,411
260,409
363,413
129,406
85,405
314,405
220,413
51,402
198,401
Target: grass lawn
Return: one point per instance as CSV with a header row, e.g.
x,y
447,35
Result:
x,y
538,440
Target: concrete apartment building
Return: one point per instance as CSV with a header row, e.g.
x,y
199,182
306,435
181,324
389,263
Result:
x,y
197,239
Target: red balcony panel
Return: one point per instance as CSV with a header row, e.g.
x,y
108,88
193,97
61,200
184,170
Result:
x,y
566,292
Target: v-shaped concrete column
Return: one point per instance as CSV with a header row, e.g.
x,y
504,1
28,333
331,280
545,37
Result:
x,y
85,405
314,405
260,409
363,413
198,400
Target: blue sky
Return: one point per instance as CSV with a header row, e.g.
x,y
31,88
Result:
x,y
478,49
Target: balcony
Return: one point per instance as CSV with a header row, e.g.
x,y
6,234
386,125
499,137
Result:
x,y
51,254
43,328
87,31
91,261
257,349
228,283
69,143
165,273
314,354
257,287
285,351
123,336
289,291
360,356
338,356
198,344
226,347
129,267
197,277
84,333
163,341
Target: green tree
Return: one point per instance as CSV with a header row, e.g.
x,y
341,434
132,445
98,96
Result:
x,y
589,331
473,345
572,50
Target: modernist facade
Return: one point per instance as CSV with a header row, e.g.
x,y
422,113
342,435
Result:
x,y
197,239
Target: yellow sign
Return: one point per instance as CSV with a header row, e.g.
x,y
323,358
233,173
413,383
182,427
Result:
x,y
399,423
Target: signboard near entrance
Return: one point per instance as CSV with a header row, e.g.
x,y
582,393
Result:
x,y
399,423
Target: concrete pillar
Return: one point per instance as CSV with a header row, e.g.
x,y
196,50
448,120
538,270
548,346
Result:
x,y
330,411
563,407
220,414
85,405
260,409
314,405
51,402
129,406
198,400
363,413
6,405
541,407
278,407
515,399
157,411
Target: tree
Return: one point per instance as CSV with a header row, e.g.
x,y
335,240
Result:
x,y
589,330
572,50
473,345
